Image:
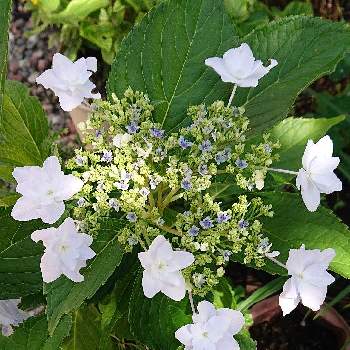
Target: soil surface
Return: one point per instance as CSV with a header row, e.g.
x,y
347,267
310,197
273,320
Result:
x,y
293,333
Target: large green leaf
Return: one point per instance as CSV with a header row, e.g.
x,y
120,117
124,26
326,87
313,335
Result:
x,y
164,57
293,225
155,321
24,130
86,331
306,48
33,335
19,257
5,11
293,134
64,296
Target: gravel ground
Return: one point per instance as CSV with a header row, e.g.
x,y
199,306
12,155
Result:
x,y
29,56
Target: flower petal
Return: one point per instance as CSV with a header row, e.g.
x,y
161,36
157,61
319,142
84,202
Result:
x,y
218,65
227,343
25,209
52,212
150,285
184,336
289,298
312,296
175,291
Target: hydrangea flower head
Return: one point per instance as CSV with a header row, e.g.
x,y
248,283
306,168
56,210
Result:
x,y
317,176
11,315
211,329
43,191
66,251
70,80
238,66
309,278
162,269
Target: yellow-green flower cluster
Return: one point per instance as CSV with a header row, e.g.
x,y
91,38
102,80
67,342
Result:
x,y
165,183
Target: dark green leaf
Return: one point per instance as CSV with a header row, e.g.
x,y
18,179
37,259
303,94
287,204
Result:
x,y
5,15
64,296
19,257
24,130
33,335
164,57
86,331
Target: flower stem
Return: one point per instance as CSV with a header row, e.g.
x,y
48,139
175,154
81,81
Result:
x,y
277,262
193,308
283,171
170,230
232,95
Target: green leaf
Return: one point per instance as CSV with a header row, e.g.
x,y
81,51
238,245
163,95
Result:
x,y
115,308
245,341
262,293
155,321
64,296
5,15
49,6
99,34
293,225
33,334
19,257
224,295
293,134
77,10
7,198
298,8
306,48
24,130
86,332
164,57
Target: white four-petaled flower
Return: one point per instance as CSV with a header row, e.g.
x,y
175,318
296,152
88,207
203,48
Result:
x,y
11,315
43,191
121,140
70,80
66,251
162,269
309,278
238,66
211,329
317,174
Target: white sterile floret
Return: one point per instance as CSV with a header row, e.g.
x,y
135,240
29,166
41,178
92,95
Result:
x,y
317,176
211,329
238,66
121,140
11,315
162,269
309,278
43,191
66,251
70,80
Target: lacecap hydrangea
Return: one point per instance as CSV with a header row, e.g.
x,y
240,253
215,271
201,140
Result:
x,y
162,183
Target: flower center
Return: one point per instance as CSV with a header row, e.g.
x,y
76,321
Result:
x,y
64,248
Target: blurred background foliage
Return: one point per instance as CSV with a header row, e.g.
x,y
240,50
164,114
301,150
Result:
x,y
101,24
